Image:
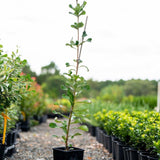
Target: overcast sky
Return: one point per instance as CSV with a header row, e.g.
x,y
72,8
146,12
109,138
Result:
x,y
125,33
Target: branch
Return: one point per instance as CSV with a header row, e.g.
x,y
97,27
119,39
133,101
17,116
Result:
x,y
83,38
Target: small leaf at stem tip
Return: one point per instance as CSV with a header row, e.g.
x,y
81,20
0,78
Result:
x,y
84,34
70,6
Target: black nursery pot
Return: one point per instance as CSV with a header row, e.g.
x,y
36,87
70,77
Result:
x,y
119,151
152,158
92,130
143,155
133,155
25,125
114,142
126,153
2,151
73,154
109,143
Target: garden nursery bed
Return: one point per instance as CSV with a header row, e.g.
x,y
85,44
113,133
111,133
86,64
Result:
x,y
37,144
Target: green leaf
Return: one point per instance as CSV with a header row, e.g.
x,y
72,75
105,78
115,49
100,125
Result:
x,y
70,6
77,25
64,88
53,125
70,145
55,136
89,39
76,121
83,128
67,64
84,34
76,134
85,67
83,13
64,138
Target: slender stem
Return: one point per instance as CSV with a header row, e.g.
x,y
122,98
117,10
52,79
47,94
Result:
x,y
74,92
83,38
69,123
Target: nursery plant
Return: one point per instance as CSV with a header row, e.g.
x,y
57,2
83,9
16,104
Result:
x,y
75,83
12,83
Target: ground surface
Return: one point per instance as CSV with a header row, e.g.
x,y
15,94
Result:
x,y
37,144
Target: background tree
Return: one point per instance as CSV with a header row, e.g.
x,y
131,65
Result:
x,y
27,70
139,87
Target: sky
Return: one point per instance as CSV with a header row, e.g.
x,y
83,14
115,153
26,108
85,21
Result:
x,y
125,33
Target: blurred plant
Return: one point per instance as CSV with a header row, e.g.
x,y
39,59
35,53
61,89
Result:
x,y
33,102
112,93
11,82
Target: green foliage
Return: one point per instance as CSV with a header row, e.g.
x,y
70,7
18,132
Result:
x,y
47,71
139,88
98,106
52,86
11,82
113,93
141,130
13,113
33,102
27,70
151,101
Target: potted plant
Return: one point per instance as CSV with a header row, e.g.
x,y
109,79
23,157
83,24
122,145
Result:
x,y
73,87
11,83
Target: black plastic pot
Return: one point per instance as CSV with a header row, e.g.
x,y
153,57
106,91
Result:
x,y
25,125
92,130
42,119
152,158
11,137
114,141
143,155
119,151
133,155
126,153
97,134
2,152
100,135
73,154
108,143
105,141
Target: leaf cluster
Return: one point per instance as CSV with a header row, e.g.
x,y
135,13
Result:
x,y
62,124
11,81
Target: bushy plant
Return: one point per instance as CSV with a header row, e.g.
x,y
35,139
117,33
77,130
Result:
x,y
139,129
33,101
11,82
113,93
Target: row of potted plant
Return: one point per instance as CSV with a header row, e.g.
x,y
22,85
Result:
x,y
132,133
20,98
12,85
33,106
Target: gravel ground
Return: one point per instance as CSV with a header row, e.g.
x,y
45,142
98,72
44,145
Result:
x,y
37,144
